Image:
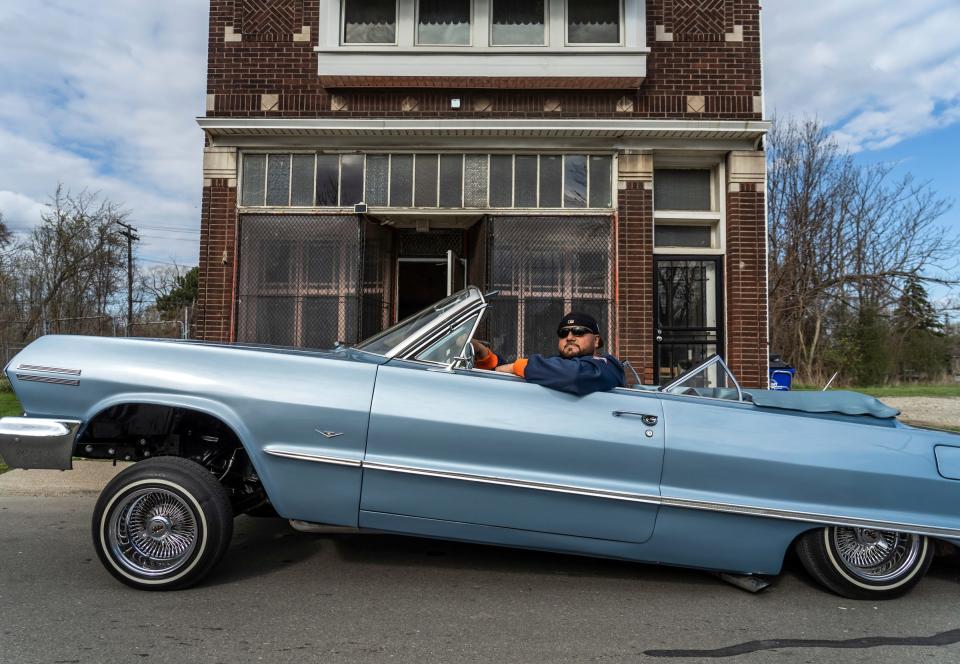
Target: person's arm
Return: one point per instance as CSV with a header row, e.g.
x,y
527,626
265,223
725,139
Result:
x,y
483,357
578,375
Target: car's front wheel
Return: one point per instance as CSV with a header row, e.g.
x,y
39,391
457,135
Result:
x,y
162,524
865,563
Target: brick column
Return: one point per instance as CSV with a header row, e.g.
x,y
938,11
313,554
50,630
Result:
x,y
746,268
635,262
218,249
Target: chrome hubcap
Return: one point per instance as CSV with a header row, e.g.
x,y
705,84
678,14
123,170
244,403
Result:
x,y
876,555
152,532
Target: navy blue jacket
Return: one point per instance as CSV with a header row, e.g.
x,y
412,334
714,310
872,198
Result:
x,y
577,375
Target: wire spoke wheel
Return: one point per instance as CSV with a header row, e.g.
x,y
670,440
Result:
x,y
162,524
876,555
153,532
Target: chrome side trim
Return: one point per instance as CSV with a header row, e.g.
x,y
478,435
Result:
x,y
810,517
73,382
315,458
35,367
520,484
667,501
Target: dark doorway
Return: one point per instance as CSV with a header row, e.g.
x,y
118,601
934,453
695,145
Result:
x,y
688,313
420,283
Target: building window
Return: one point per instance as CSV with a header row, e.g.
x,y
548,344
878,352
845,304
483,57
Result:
x,y
593,21
687,210
518,23
447,181
369,21
443,22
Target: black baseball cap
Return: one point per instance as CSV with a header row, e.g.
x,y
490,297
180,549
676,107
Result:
x,y
577,318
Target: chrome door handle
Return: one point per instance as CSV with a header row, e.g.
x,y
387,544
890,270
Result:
x,y
649,420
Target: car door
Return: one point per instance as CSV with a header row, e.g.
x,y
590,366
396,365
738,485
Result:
x,y
490,449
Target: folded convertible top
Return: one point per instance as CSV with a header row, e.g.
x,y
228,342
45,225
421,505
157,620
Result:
x,y
845,403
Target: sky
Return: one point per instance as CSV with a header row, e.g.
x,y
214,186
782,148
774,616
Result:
x,y
103,96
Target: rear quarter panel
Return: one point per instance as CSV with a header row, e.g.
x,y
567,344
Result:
x,y
738,454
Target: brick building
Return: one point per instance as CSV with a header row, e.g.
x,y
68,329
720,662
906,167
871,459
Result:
x,y
364,157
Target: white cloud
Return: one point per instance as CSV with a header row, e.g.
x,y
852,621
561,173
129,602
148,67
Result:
x,y
102,96
878,72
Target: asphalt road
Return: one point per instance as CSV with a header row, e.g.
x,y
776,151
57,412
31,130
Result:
x,y
282,596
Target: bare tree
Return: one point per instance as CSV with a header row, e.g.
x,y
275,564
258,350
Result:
x,y
844,239
71,266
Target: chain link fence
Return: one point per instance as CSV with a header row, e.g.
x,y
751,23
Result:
x,y
545,267
311,281
15,335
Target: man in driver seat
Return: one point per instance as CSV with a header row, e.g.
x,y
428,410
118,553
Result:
x,y
580,368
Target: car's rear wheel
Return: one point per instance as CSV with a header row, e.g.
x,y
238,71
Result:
x,y
162,524
865,563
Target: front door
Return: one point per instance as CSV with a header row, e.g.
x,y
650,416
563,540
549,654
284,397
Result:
x,y
688,314
487,449
422,282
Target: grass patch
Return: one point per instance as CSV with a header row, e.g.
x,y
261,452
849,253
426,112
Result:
x,y
936,391
8,406
927,425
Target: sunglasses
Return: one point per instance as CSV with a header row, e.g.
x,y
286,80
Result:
x,y
576,331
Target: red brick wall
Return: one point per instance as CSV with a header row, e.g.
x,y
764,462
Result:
x,y
635,277
746,285
218,232
697,62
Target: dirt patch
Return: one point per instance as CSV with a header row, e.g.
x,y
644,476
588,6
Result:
x,y
929,410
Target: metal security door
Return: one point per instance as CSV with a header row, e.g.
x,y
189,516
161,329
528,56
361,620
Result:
x,y
688,313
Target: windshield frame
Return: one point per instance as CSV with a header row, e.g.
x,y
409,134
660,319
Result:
x,y
413,341
690,373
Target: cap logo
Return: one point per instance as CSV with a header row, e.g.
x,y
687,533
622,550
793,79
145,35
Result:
x,y
571,322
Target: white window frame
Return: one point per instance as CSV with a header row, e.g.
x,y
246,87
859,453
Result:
x,y
416,29
343,27
715,217
633,31
436,208
622,27
546,29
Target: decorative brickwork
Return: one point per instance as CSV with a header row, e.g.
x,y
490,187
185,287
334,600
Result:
x,y
698,20
725,73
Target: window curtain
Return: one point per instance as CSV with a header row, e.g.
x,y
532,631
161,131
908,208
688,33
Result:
x,y
593,21
518,22
444,22
370,21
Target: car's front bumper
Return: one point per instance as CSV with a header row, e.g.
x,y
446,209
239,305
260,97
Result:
x,y
33,442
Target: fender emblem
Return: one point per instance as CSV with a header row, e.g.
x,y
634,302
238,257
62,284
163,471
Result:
x,y
328,434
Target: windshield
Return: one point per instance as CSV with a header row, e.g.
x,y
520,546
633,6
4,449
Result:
x,y
395,336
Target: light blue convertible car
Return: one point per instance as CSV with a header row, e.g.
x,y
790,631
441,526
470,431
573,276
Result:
x,y
401,434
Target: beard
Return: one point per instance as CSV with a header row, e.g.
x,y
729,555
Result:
x,y
571,350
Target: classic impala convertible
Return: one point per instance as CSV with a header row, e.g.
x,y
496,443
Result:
x,y
402,434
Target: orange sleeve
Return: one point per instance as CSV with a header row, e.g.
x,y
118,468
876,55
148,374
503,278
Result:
x,y
489,363
520,366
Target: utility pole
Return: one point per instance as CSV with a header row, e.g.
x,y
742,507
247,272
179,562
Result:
x,y
129,232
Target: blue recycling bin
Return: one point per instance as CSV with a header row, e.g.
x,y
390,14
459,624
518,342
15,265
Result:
x,y
782,379
781,374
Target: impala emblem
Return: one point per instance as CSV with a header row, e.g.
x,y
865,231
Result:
x,y
328,434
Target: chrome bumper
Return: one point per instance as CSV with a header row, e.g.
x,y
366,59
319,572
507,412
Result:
x,y
33,442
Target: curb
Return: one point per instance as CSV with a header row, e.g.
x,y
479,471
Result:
x,y
86,479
